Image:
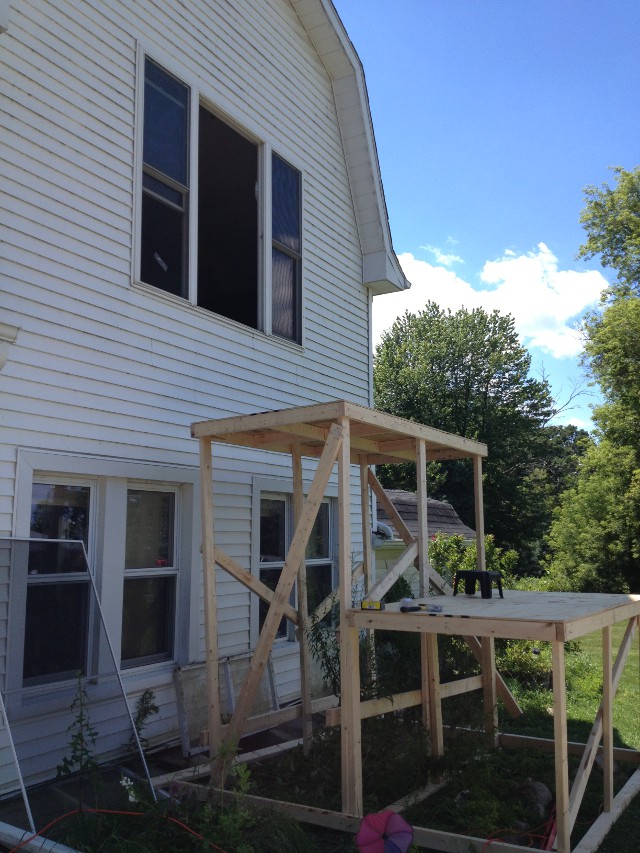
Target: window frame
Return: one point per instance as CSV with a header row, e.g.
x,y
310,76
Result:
x,y
203,95
106,560
170,572
282,489
22,583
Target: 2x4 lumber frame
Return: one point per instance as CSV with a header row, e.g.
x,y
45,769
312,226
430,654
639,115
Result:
x,y
303,607
422,563
397,568
333,446
210,608
252,583
350,728
561,752
479,513
602,727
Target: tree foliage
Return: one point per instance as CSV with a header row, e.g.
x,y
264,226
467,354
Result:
x,y
611,218
467,373
595,538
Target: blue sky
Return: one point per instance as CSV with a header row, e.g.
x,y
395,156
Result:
x,y
491,116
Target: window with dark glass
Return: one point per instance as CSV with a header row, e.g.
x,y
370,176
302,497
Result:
x,y
275,535
165,181
149,599
58,584
286,250
226,225
227,221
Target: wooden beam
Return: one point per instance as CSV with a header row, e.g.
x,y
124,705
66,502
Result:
x,y
303,608
479,512
350,728
249,580
332,599
431,680
287,577
607,719
503,691
422,563
511,741
561,756
210,601
392,574
602,825
595,735
489,692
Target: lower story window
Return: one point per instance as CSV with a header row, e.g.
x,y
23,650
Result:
x,y
58,585
275,536
149,598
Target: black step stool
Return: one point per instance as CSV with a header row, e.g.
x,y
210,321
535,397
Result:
x,y
484,578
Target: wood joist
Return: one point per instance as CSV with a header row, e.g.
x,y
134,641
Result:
x,y
343,434
333,433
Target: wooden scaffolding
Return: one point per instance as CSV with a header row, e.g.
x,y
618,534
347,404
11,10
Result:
x,y
344,435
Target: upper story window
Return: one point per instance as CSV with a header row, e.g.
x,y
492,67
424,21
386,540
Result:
x,y
230,273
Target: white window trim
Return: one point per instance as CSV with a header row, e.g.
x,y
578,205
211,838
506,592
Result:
x,y
275,486
112,477
202,94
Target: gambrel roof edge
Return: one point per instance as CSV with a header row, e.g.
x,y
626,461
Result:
x,y
381,268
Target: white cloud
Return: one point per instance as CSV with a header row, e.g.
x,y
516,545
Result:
x,y
446,260
543,300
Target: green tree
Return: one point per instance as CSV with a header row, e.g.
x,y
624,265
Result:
x,y
467,373
611,218
595,537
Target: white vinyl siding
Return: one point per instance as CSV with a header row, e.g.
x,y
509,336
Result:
x,y
110,373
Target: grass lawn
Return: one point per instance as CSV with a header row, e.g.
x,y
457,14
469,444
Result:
x,y
584,691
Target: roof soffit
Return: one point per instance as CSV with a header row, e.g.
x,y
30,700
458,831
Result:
x,y
381,269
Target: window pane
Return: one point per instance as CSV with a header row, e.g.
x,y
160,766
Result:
x,y
318,544
147,619
270,578
272,530
55,631
60,512
163,241
49,558
227,221
166,123
285,212
284,296
150,529
319,586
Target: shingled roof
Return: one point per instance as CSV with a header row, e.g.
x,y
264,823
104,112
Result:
x,y
441,516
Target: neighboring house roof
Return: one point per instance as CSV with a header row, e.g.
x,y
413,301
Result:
x,y
441,516
381,268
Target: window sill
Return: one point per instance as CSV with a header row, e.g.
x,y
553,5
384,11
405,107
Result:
x,y
180,302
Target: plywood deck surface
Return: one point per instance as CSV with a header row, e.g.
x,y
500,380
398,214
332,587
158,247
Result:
x,y
519,615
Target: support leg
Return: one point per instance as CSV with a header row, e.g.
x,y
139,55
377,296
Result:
x,y
561,755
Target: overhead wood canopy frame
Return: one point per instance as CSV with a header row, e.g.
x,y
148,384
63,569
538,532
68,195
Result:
x,y
349,435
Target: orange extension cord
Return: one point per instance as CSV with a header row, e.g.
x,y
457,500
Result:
x,y
115,812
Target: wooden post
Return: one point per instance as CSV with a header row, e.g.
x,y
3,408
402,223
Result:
x,y
288,574
489,692
431,691
423,524
367,550
350,733
479,512
607,718
210,602
561,753
303,608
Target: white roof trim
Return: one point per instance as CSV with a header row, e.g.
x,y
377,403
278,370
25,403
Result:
x,y
381,269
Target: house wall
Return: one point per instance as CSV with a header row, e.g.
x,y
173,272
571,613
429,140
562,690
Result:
x,y
107,374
